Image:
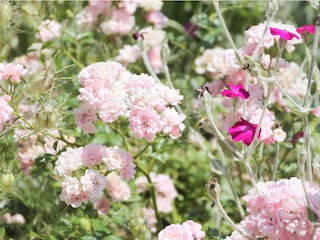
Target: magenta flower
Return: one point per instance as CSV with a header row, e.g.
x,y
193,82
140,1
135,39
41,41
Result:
x,y
235,91
284,34
307,28
243,131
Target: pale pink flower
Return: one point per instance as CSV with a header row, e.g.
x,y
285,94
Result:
x,y
100,83
72,192
174,232
195,229
173,122
103,6
188,230
254,34
145,123
102,205
117,159
170,96
157,18
27,158
68,161
316,111
121,23
164,187
217,63
102,75
154,57
150,5
128,54
92,154
6,110
150,217
48,30
127,170
85,118
141,184
114,104
279,135
14,219
129,6
278,210
143,81
153,37
11,71
117,188
146,98
93,183
87,18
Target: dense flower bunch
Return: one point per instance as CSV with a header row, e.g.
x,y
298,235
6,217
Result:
x,y
111,91
279,210
222,66
115,168
189,230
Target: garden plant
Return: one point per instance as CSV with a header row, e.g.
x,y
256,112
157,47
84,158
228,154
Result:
x,y
151,119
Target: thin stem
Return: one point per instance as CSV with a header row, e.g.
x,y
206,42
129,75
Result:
x,y
146,62
235,195
313,61
251,174
153,195
226,31
307,143
72,58
216,130
276,162
229,220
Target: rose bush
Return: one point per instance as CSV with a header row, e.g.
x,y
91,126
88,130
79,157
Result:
x,y
114,114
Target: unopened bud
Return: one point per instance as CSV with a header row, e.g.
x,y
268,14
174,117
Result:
x,y
5,13
6,181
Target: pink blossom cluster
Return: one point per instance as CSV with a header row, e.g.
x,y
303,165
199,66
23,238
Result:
x,y
118,17
17,218
254,33
115,168
48,30
217,63
164,188
12,72
189,230
110,92
279,210
236,122
6,111
153,39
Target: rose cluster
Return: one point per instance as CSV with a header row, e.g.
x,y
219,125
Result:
x,y
109,92
104,168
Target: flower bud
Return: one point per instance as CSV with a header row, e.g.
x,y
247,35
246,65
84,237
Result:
x,y
5,13
6,181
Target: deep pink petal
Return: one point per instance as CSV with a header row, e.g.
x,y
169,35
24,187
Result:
x,y
284,34
243,131
307,28
235,91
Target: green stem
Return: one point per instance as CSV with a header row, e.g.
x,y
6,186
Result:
x,y
307,143
235,195
143,46
153,195
313,61
276,162
226,31
72,58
